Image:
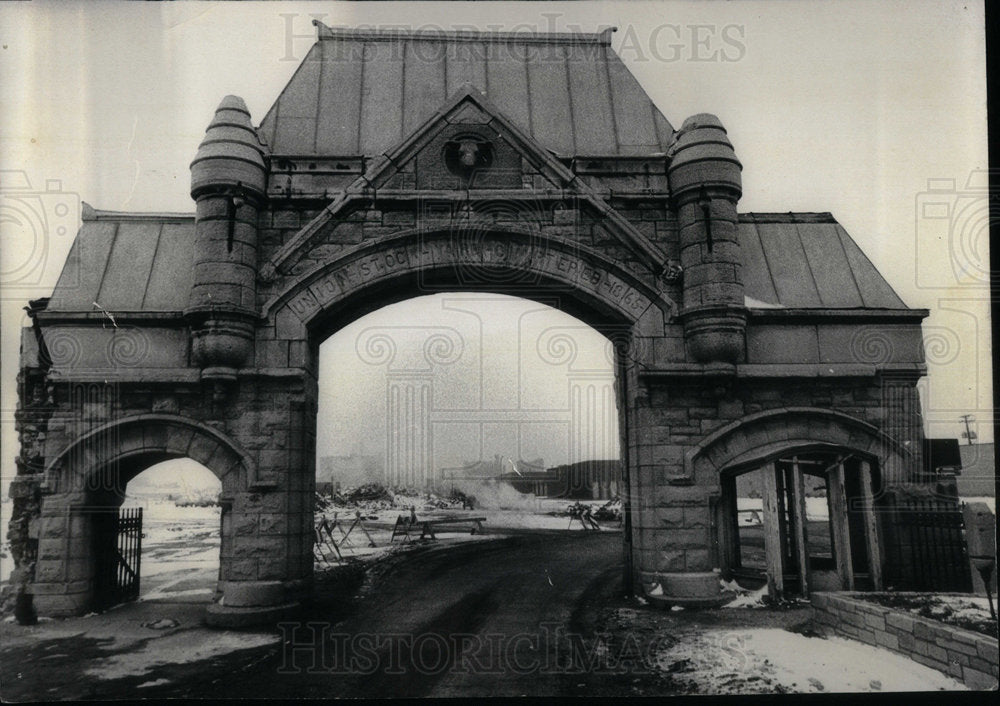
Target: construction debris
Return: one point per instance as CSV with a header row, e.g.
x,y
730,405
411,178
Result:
x,y
610,511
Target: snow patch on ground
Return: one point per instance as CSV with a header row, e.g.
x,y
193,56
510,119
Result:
x,y
976,607
770,660
941,606
990,502
745,598
181,647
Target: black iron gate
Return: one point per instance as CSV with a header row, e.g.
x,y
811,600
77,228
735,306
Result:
x,y
927,549
119,559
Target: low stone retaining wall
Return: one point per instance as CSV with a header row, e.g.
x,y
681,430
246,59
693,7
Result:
x,y
968,656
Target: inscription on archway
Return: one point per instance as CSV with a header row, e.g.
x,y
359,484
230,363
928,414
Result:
x,y
490,260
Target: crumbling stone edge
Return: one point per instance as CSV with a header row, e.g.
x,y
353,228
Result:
x,y
968,656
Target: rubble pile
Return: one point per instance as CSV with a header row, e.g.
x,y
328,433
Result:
x,y
611,511
320,503
372,497
370,492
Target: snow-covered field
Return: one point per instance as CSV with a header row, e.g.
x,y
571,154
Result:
x,y
772,660
991,502
180,550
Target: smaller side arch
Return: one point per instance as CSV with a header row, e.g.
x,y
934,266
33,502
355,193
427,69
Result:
x,y
759,435
153,436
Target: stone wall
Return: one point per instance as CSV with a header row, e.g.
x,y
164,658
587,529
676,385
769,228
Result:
x,y
267,494
672,498
965,655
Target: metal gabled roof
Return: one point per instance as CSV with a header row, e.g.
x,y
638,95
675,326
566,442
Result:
x,y
808,261
123,262
361,92
127,262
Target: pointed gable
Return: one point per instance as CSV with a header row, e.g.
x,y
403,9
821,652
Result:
x,y
360,92
519,164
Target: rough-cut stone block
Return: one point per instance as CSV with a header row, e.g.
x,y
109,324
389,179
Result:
x,y
240,570
955,645
982,665
866,635
271,568
50,571
921,630
670,560
884,639
957,657
937,653
244,525
50,548
273,524
697,517
697,560
987,649
53,527
849,630
978,680
241,594
689,538
875,621
899,621
854,619
930,662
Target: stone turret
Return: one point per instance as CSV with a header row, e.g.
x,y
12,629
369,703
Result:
x,y
228,184
704,177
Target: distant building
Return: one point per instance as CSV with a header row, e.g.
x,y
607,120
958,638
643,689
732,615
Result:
x,y
978,475
353,469
500,467
586,480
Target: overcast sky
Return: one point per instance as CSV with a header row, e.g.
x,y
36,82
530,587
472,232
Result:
x,y
847,107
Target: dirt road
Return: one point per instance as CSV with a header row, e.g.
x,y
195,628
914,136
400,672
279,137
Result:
x,y
486,618
489,618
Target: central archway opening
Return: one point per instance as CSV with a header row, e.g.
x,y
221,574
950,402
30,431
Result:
x,y
464,405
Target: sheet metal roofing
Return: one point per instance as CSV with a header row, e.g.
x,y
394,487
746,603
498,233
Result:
x,y
127,262
809,261
362,92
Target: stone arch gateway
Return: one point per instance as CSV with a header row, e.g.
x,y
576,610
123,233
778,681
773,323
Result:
x,y
379,175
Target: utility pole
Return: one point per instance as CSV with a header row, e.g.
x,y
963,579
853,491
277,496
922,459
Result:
x,y
968,434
